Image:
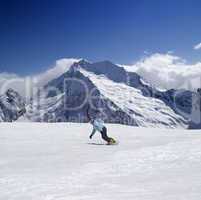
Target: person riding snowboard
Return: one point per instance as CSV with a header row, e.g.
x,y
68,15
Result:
x,y
98,125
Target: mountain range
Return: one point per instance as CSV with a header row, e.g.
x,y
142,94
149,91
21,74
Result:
x,y
118,95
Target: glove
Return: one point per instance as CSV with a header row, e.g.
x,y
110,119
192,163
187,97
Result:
x,y
90,136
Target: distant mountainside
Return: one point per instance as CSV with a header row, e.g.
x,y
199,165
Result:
x,y
183,102
179,100
12,106
122,97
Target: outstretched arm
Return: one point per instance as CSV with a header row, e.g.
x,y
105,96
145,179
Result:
x,y
93,132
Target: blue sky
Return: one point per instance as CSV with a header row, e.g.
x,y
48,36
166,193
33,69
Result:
x,y
36,33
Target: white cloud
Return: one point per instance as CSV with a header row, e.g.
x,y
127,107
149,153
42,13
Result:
x,y
25,85
197,46
8,80
60,67
162,70
168,71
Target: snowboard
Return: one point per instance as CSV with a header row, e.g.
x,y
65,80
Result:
x,y
113,142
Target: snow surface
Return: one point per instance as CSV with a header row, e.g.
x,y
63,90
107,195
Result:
x,y
42,161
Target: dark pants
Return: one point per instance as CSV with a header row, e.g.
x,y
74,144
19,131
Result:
x,y
104,135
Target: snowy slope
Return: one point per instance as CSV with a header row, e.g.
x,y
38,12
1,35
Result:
x,y
55,162
147,111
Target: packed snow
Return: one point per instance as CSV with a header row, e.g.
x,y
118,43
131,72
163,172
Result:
x,y
42,161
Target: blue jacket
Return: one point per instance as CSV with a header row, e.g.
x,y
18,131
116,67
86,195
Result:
x,y
98,125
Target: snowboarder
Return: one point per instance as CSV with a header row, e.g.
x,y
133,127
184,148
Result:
x,y
98,125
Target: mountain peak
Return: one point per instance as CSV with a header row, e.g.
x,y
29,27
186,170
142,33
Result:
x,y
83,61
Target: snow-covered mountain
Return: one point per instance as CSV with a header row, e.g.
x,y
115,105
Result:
x,y
181,101
12,106
122,97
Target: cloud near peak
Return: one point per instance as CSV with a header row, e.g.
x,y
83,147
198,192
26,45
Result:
x,y
167,71
60,67
25,85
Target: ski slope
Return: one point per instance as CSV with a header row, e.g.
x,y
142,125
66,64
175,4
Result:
x,y
59,162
